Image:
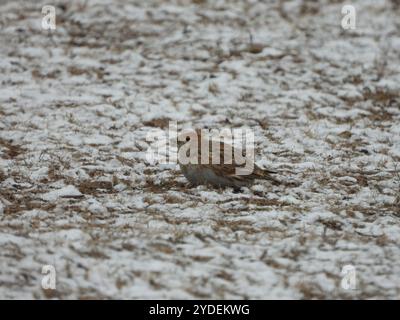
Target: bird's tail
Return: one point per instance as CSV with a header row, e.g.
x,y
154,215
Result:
x,y
266,175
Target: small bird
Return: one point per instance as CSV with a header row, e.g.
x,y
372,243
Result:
x,y
217,175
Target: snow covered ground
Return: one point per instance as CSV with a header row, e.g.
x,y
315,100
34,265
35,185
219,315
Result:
x,y
77,193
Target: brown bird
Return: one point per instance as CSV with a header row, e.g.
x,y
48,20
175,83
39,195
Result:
x,y
220,174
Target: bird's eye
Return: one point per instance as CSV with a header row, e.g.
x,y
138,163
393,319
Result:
x,y
187,138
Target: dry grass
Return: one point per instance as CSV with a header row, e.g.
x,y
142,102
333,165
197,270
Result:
x,y
10,150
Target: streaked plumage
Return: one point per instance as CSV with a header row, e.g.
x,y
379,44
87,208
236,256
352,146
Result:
x,y
220,175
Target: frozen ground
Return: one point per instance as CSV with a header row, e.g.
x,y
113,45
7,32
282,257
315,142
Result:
x,y
76,191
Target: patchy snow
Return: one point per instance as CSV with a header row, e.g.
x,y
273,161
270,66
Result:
x,y
77,192
66,192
